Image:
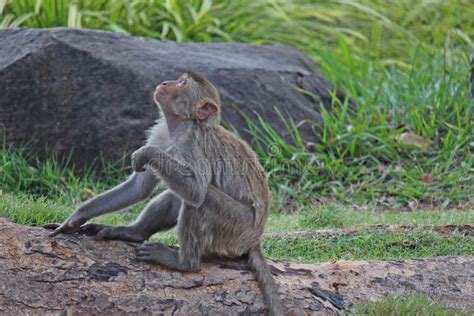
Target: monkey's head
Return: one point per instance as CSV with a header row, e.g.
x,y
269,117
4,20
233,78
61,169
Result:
x,y
190,97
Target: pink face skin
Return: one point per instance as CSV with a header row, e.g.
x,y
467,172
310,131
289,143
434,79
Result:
x,y
169,90
174,97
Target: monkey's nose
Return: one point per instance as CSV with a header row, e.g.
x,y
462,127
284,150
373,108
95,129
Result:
x,y
164,83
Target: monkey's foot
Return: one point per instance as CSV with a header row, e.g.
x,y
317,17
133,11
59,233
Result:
x,y
107,232
163,255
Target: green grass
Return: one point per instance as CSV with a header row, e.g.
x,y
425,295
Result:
x,y
338,215
21,171
367,245
360,156
36,191
407,306
28,210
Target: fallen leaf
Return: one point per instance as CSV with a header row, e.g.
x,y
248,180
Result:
x,y
380,168
32,170
87,194
427,178
310,146
413,205
412,139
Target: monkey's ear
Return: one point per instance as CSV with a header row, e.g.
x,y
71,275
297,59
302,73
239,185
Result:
x,y
205,109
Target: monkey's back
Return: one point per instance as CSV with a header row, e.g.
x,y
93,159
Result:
x,y
235,168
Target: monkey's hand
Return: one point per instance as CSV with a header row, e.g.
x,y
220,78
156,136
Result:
x,y
70,226
145,155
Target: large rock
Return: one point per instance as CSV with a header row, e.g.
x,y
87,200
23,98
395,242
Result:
x,y
91,91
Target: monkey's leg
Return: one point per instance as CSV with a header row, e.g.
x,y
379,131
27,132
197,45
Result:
x,y
190,240
133,190
161,213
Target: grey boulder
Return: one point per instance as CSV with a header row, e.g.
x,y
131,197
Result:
x,y
90,92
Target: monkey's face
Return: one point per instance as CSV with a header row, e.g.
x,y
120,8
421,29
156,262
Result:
x,y
169,91
191,96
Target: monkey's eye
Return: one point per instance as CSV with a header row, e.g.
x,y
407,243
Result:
x,y
183,82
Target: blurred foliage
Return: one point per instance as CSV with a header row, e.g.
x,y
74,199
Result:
x,y
378,29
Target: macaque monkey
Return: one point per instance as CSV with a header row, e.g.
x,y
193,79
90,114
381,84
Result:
x,y
217,190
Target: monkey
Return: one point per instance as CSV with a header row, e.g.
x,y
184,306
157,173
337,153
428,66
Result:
x,y
217,190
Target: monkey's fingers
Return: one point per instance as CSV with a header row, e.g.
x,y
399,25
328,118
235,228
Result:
x,y
145,254
150,252
56,231
58,228
91,229
139,160
153,246
104,234
149,248
148,257
65,229
138,166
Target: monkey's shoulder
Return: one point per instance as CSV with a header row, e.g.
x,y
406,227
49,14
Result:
x,y
216,145
219,144
222,140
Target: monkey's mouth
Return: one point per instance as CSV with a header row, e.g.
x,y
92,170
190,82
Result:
x,y
160,96
160,91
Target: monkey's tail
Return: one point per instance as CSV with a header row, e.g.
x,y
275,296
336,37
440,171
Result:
x,y
265,279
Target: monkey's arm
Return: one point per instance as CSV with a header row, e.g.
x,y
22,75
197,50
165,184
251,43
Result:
x,y
185,180
136,188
